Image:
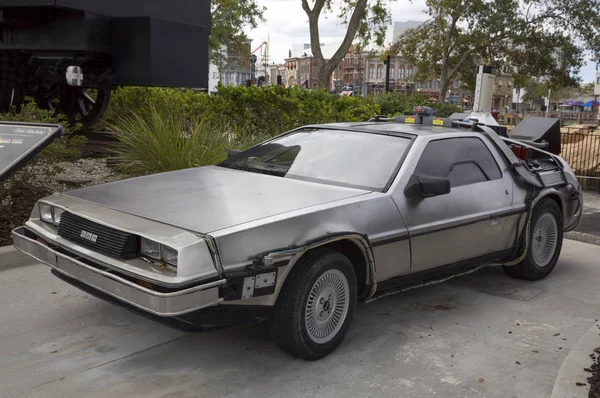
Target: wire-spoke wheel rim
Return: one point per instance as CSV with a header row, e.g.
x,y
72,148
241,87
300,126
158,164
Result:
x,y
544,239
327,306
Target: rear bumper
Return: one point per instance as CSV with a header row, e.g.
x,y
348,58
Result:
x,y
577,213
171,304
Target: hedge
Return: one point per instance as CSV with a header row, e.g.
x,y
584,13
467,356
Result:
x,y
269,110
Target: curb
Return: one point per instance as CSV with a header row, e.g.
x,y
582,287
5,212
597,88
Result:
x,y
571,371
583,237
12,258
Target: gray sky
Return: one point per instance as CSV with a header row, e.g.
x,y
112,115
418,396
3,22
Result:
x,y
287,24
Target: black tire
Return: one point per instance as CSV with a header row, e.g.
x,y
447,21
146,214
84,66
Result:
x,y
530,268
288,324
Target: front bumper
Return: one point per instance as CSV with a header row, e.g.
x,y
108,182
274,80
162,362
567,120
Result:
x,y
169,304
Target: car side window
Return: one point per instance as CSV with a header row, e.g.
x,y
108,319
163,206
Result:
x,y
464,161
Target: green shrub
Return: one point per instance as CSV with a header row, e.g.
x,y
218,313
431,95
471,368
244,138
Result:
x,y
445,110
393,104
248,112
167,140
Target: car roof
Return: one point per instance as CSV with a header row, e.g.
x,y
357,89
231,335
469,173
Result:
x,y
390,128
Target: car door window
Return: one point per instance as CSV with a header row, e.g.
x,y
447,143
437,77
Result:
x,y
464,161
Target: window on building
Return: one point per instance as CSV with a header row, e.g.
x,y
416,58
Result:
x,y
456,83
428,84
436,84
409,72
380,72
419,85
598,80
371,71
392,71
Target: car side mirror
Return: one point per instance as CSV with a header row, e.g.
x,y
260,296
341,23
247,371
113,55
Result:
x,y
426,186
232,152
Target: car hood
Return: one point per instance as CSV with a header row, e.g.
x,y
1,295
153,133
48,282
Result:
x,y
208,199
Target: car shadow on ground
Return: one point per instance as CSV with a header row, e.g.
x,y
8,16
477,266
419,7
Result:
x,y
452,333
373,322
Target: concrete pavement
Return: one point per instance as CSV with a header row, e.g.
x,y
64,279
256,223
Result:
x,y
588,229
482,335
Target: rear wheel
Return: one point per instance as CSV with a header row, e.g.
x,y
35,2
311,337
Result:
x,y
545,243
315,308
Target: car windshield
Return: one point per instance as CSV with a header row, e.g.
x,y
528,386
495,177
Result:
x,y
336,157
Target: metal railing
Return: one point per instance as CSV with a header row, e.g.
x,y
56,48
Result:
x,y
564,116
582,151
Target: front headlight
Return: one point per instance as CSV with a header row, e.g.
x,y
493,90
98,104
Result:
x,y
56,214
150,248
50,214
157,251
169,255
45,212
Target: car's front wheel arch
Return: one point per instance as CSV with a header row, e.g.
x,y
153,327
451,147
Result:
x,y
359,258
316,304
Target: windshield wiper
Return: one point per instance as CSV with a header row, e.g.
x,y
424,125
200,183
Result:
x,y
254,169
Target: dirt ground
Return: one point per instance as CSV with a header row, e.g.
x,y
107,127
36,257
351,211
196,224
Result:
x,y
594,379
17,196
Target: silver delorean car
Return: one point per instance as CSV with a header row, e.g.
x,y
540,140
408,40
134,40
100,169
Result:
x,y
299,228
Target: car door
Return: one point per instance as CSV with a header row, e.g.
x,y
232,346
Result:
x,y
474,220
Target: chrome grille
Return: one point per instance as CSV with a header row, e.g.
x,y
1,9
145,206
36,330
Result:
x,y
98,237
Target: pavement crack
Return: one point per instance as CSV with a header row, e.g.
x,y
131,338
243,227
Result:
x,y
135,353
533,345
112,361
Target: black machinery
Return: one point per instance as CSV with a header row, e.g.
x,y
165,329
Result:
x,y
67,55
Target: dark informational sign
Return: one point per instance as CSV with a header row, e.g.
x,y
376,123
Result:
x,y
19,142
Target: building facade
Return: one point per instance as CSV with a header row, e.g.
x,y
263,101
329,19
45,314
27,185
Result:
x,y
366,73
279,70
233,69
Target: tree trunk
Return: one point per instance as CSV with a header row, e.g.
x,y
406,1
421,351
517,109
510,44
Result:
x,y
324,70
444,84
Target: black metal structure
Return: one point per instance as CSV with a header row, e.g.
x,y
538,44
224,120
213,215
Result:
x,y
102,44
538,129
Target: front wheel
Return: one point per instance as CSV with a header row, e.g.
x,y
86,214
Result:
x,y
545,243
316,306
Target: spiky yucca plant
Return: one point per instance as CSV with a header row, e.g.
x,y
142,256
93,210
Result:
x,y
168,141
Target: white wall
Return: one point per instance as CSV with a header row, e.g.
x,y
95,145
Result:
x,y
518,99
213,77
597,86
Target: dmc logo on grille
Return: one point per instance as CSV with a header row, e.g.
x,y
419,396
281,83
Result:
x,y
88,236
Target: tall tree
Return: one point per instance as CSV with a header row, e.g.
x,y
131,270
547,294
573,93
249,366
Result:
x,y
545,39
229,18
366,20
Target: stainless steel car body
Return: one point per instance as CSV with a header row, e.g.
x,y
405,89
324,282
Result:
x,y
224,221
